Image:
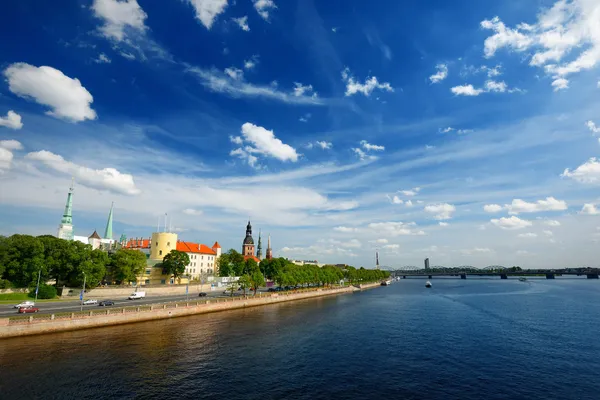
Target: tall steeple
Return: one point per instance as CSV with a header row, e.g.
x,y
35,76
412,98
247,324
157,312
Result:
x,y
248,245
65,229
108,231
269,254
259,249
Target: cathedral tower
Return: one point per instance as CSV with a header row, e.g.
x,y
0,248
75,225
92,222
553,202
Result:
x,y
248,246
269,249
259,248
65,229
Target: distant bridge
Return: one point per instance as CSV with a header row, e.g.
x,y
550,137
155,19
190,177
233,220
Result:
x,y
590,273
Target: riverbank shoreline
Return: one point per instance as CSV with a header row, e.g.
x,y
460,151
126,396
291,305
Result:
x,y
10,328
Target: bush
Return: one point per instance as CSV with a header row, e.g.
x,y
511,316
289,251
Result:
x,y
4,284
45,292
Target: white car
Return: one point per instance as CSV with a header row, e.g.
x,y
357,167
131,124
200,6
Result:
x,y
90,301
25,304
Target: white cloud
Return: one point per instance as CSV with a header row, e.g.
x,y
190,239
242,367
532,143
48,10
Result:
x,y
466,90
489,86
324,145
566,28
367,146
528,235
235,73
464,131
444,224
66,97
391,246
379,241
588,172
12,120
395,200
441,74
192,211
548,233
442,211
411,192
408,203
334,29
11,144
361,154
262,141
221,82
511,223
395,228
236,140
560,84
549,204
592,127
128,56
263,7
118,16
345,229
476,250
492,208
551,222
208,10
305,118
102,59
372,83
300,90
107,178
242,23
447,130
589,209
251,63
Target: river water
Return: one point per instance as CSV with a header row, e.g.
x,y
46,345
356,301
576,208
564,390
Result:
x,y
460,339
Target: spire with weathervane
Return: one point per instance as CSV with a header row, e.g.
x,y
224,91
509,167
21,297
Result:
x,y
269,250
65,229
108,234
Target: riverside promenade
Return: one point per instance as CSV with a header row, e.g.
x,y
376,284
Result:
x,y
49,323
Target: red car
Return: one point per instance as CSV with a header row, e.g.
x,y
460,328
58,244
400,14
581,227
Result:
x,y
28,310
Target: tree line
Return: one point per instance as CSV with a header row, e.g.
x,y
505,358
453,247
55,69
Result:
x,y
286,273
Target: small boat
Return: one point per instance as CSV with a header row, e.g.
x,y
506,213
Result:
x,y
523,279
386,282
427,284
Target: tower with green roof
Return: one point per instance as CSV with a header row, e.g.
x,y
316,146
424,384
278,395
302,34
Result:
x,y
108,233
65,229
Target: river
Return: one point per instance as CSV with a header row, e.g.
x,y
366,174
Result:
x,y
461,339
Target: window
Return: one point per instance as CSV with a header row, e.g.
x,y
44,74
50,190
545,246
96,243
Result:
x,y
162,281
147,282
156,243
160,252
203,257
168,244
148,271
202,264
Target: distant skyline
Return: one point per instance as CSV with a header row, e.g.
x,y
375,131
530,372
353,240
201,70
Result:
x,y
466,132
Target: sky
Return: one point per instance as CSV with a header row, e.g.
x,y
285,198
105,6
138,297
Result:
x,y
462,131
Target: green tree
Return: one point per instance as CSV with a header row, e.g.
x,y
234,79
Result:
x,y
23,257
257,279
175,262
231,263
245,282
56,255
126,265
250,267
44,292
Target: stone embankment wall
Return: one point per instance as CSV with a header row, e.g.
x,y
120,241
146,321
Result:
x,y
111,316
115,293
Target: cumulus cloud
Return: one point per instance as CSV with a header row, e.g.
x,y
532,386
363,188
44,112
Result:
x,y
476,250
261,141
6,153
549,204
588,172
528,235
391,247
368,146
222,82
395,200
305,118
592,127
65,96
589,209
192,211
300,90
548,233
102,59
371,83
568,27
408,203
345,229
490,86
395,228
242,23
444,224
102,179
12,120
251,63
447,130
440,75
551,222
492,208
234,73
411,192
118,16
511,223
263,7
379,241
441,211
323,144
208,10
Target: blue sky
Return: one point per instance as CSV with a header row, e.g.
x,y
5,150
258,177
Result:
x,y
461,131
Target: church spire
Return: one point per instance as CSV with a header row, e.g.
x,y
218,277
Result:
x,y
269,254
108,234
65,229
259,248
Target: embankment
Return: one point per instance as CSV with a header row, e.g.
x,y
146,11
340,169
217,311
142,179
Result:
x,y
30,325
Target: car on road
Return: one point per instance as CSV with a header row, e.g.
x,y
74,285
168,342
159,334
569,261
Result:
x,y
201,294
137,295
89,302
25,304
28,309
271,289
105,303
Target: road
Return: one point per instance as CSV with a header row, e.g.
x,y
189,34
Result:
x,y
8,310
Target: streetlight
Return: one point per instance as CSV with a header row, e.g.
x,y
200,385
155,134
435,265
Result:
x,y
82,292
38,284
